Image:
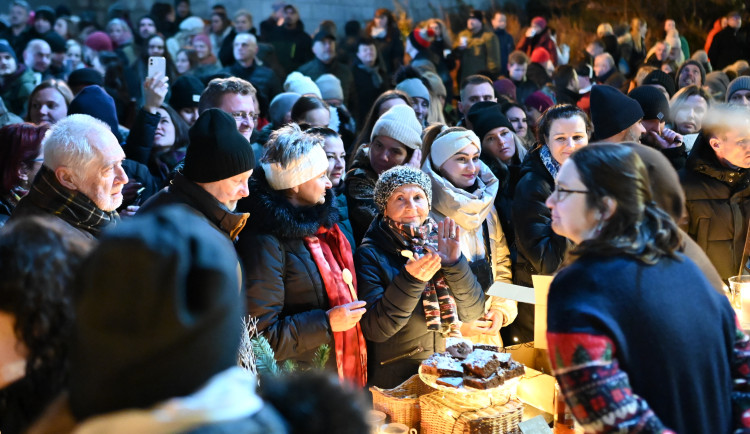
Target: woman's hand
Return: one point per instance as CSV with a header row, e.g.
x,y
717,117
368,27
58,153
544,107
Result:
x,y
497,318
474,328
416,160
155,89
346,316
424,267
449,247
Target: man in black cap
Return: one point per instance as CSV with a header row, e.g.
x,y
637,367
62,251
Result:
x,y
324,48
218,164
655,114
616,117
186,93
477,48
156,337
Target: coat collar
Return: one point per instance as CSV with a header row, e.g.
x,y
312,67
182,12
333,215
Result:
x,y
271,212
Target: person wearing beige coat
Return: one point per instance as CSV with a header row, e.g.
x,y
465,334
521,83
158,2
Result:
x,y
464,189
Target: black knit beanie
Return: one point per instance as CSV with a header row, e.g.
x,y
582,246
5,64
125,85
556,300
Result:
x,y
660,77
652,101
612,111
485,118
186,92
701,69
162,322
217,150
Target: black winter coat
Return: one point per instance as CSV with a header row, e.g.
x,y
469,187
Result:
x,y
718,207
394,324
183,191
284,288
539,249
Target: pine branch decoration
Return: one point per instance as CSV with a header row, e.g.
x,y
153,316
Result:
x,y
264,356
321,356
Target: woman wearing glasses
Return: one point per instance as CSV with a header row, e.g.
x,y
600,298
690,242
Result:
x,y
638,338
562,130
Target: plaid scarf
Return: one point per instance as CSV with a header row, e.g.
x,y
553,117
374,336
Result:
x,y
72,206
439,305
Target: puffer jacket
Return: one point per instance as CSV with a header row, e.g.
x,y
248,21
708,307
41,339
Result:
x,y
540,249
284,288
470,211
482,53
394,324
359,190
718,207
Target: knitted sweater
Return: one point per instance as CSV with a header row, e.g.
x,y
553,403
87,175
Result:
x,y
646,348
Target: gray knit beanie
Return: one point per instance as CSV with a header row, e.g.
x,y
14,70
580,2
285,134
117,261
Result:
x,y
394,178
281,104
414,88
739,83
399,123
330,87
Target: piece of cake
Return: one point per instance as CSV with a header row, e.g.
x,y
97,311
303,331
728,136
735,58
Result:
x,y
481,363
515,370
450,381
460,350
487,347
442,365
493,380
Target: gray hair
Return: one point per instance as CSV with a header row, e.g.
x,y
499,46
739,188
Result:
x,y
289,143
250,36
610,59
68,142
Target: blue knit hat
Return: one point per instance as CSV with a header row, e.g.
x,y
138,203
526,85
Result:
x,y
95,102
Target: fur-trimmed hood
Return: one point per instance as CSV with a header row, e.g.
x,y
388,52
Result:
x,y
271,213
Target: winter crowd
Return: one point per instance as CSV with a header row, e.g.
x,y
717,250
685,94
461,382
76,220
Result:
x,y
163,178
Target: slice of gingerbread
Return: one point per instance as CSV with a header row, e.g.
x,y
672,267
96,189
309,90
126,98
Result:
x,y
442,366
455,382
490,382
481,363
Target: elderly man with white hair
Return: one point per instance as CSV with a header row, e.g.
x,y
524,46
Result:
x,y
81,179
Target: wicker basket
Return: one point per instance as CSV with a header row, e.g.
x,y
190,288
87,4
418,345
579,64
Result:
x,y
447,414
401,403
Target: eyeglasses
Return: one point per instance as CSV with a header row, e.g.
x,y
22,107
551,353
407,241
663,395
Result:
x,y
560,194
239,116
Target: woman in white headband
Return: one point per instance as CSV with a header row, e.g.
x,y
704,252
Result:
x,y
297,259
464,189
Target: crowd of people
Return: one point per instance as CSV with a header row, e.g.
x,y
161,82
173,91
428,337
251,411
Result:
x,y
364,193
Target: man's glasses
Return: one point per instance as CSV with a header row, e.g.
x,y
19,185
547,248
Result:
x,y
239,116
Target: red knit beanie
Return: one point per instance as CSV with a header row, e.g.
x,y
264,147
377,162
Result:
x,y
540,55
99,41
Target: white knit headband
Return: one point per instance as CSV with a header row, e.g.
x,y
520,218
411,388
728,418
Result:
x,y
448,145
297,172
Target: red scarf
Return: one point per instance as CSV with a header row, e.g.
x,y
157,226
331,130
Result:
x,y
332,253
